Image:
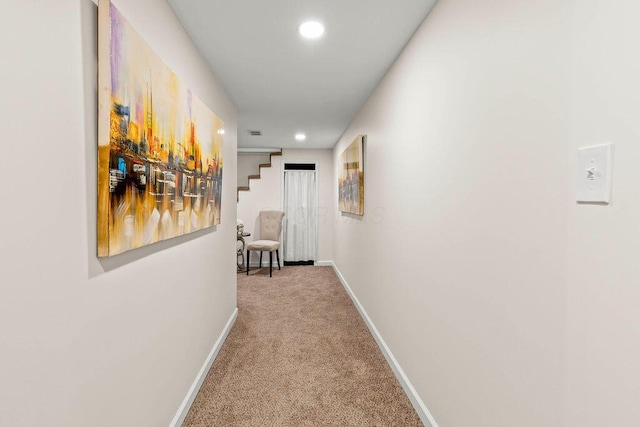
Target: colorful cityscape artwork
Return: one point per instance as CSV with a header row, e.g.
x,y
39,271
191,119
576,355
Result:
x,y
351,178
159,147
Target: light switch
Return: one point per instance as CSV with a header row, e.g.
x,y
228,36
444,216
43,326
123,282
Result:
x,y
594,173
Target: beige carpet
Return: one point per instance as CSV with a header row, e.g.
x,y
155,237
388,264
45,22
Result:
x,y
299,354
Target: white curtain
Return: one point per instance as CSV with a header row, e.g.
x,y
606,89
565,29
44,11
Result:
x,y
300,229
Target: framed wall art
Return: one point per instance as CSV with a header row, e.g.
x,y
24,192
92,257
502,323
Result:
x,y
351,178
159,147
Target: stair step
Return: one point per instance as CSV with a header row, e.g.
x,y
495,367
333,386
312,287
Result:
x,y
261,165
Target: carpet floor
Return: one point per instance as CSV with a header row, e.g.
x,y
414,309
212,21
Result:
x,y
299,354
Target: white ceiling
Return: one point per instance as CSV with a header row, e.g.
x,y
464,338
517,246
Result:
x,y
283,84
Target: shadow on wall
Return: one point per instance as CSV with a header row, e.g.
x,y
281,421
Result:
x,y
89,40
117,261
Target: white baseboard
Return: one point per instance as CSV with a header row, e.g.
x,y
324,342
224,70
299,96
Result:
x,y
183,410
424,414
324,263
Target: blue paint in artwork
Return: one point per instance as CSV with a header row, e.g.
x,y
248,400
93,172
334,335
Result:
x,y
122,166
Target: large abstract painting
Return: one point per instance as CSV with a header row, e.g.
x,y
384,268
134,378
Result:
x,y
351,178
159,146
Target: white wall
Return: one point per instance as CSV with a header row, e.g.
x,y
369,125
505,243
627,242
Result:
x,y
86,341
604,241
248,165
461,257
505,301
324,172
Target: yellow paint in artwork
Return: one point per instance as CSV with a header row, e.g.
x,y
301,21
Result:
x,y
351,178
160,156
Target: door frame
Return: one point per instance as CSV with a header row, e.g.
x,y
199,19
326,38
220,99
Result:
x,y
282,201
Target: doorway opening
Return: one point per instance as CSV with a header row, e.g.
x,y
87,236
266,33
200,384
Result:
x,y
300,231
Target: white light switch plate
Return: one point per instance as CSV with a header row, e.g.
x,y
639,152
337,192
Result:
x,y
594,173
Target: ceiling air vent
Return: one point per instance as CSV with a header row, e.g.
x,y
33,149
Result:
x,y
255,132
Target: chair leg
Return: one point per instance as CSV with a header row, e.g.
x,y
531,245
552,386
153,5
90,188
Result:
x,y
270,263
278,257
260,259
248,253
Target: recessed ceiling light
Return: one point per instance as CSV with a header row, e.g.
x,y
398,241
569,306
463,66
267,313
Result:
x,y
221,132
300,136
311,29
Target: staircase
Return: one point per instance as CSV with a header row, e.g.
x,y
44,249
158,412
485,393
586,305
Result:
x,y
260,166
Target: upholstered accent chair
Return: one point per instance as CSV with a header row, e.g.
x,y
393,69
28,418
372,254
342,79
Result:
x,y
270,229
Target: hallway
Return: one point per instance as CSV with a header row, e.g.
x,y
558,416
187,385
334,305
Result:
x,y
503,298
299,354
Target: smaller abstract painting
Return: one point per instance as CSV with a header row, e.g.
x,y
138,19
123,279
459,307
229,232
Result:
x,y
351,178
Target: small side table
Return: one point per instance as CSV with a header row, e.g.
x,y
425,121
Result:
x,y
240,250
